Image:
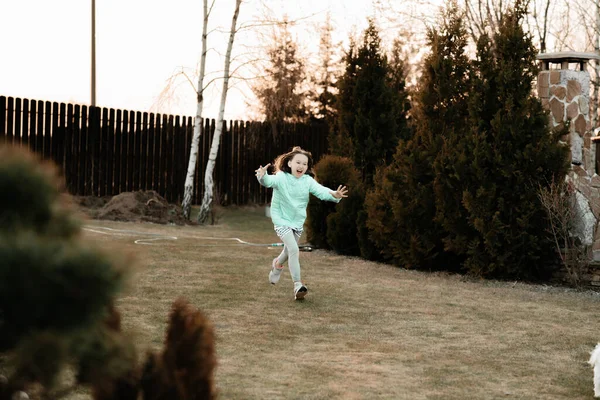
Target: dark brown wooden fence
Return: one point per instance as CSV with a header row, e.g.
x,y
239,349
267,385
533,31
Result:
x,y
103,152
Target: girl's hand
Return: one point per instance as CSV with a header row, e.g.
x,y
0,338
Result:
x,y
341,192
261,171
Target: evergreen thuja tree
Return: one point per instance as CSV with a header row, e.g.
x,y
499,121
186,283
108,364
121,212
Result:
x,y
375,131
397,73
450,163
512,153
55,290
57,296
402,206
340,142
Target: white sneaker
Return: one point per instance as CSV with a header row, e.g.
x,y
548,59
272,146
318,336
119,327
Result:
x,y
275,272
299,291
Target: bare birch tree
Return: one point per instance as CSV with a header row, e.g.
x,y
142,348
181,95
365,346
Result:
x,y
207,198
584,35
541,19
189,179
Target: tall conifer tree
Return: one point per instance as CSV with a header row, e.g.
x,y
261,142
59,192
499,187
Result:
x,y
511,152
375,131
402,206
340,141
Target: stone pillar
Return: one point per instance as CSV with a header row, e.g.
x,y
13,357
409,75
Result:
x,y
566,94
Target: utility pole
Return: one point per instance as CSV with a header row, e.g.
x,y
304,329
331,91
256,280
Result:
x,y
93,102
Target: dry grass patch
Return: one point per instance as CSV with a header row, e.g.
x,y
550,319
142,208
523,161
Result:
x,y
365,330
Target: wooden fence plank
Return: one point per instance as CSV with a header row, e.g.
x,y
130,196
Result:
x,y
17,121
77,152
85,173
137,152
110,153
143,132
244,163
32,124
158,143
169,159
125,151
94,139
3,109
118,155
68,146
150,153
59,133
47,130
187,147
129,122
10,115
55,136
25,124
233,162
180,160
39,134
219,173
157,153
176,160
103,147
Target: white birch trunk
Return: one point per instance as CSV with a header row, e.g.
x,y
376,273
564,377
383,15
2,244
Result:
x,y
214,148
189,178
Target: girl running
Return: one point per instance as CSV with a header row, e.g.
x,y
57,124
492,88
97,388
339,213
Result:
x,y
292,183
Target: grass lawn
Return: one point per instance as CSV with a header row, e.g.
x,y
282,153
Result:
x,y
365,330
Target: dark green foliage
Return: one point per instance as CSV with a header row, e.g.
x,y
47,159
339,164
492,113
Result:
x,y
47,275
57,295
54,289
106,356
40,357
331,171
368,249
340,140
402,208
184,369
375,132
512,154
30,196
397,70
342,228
372,106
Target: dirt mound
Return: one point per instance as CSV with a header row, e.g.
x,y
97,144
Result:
x,y
140,206
91,203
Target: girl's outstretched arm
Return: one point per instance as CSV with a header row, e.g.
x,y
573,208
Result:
x,y
261,171
264,178
324,193
341,192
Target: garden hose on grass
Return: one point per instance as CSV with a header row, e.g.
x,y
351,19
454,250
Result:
x,y
156,237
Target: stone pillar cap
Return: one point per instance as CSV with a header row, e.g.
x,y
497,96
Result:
x,y
570,56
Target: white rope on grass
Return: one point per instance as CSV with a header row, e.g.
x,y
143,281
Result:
x,y
125,232
158,236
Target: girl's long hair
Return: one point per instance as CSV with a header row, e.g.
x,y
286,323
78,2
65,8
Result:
x,y
281,162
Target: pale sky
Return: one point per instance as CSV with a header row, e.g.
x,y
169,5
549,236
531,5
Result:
x,y
141,44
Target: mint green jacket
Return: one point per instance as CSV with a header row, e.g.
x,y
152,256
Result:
x,y
290,197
